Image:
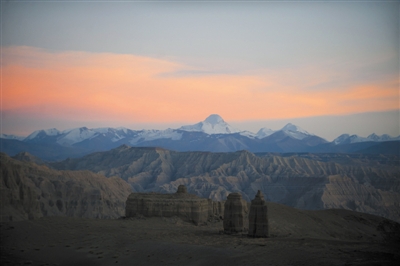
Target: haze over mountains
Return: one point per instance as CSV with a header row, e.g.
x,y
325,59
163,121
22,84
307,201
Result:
x,y
212,134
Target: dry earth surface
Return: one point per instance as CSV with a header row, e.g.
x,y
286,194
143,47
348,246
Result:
x,y
328,237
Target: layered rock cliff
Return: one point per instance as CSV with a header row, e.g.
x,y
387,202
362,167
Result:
x,y
296,181
30,191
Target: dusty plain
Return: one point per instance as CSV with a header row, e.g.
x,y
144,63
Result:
x,y
328,237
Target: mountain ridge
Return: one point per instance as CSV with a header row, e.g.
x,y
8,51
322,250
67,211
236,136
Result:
x,y
31,191
213,121
212,134
294,181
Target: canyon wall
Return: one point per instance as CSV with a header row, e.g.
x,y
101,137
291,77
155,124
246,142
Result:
x,y
367,184
30,191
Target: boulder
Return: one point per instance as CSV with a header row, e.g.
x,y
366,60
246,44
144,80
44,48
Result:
x,y
186,206
258,217
235,209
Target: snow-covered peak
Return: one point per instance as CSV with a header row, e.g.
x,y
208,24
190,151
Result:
x,y
103,130
43,132
6,136
341,139
214,119
76,135
294,128
52,132
148,135
347,139
265,132
384,137
214,124
248,134
373,137
295,131
123,129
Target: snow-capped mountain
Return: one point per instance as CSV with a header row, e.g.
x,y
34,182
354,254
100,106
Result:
x,y
70,137
149,135
214,124
384,137
7,136
213,134
290,138
348,139
290,130
295,131
39,134
264,132
76,135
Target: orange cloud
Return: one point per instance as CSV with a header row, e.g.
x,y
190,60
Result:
x,y
129,88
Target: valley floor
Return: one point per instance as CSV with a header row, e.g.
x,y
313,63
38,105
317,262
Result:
x,y
169,241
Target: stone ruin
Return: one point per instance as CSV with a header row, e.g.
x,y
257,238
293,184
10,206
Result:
x,y
258,217
191,208
181,189
234,213
188,207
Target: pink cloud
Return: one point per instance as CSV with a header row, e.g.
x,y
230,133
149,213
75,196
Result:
x,y
95,86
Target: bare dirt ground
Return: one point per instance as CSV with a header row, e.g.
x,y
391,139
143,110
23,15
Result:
x,y
170,241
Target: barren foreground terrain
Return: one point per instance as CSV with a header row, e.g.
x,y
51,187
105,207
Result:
x,y
328,237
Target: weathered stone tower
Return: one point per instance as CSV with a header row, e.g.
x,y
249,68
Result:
x,y
234,214
258,217
181,189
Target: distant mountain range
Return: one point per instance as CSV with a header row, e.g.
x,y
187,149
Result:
x,y
213,134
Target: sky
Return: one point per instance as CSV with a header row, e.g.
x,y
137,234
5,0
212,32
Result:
x,y
330,67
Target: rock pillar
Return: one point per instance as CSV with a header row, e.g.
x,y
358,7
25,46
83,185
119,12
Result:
x,y
234,212
258,217
181,189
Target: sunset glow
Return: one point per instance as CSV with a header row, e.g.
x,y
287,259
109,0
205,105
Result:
x,y
162,64
132,89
